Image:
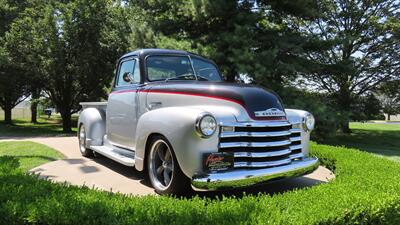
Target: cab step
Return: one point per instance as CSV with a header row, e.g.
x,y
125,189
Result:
x,y
124,157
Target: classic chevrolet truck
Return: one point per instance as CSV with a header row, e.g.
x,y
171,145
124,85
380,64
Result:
x,y
170,114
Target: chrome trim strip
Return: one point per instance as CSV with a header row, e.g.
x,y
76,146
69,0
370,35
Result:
x,y
254,144
293,139
257,124
262,164
261,154
295,147
295,156
255,134
247,177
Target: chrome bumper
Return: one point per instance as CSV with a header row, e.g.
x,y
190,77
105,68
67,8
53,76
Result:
x,y
248,177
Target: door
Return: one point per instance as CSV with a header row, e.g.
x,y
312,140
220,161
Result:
x,y
123,104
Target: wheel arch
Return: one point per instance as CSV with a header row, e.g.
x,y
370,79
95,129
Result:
x,y
94,121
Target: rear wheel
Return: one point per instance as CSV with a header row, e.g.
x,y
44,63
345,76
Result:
x,y
82,142
164,172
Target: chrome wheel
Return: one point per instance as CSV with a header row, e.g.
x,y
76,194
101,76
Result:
x,y
82,139
161,165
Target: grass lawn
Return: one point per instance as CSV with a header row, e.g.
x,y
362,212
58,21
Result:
x,y
44,127
377,138
28,153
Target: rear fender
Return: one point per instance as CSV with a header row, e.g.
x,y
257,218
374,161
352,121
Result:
x,y
94,121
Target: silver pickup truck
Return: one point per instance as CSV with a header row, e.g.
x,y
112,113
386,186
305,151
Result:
x,y
170,114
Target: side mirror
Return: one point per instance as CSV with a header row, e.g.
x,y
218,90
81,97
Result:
x,y
128,77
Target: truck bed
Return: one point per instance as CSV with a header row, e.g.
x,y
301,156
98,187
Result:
x,y
97,105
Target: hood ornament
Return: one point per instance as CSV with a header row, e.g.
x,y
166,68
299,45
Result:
x,y
272,112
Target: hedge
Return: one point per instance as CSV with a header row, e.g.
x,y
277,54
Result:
x,y
365,191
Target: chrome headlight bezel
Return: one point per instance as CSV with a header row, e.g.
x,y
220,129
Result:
x,y
200,125
308,122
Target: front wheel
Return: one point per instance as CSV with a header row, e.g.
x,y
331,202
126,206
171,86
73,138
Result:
x,y
82,142
164,172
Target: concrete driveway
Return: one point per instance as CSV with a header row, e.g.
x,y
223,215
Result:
x,y
105,174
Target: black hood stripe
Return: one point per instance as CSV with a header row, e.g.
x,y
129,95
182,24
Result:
x,y
216,97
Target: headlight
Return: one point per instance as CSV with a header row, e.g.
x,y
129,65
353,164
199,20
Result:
x,y
308,122
206,125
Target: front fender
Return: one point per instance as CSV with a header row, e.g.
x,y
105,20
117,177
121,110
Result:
x,y
95,125
295,117
177,124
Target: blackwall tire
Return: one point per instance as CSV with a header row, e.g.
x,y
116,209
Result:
x,y
163,169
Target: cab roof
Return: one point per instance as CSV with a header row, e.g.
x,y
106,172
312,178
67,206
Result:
x,y
152,51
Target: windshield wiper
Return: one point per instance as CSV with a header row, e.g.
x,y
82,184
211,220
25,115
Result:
x,y
180,76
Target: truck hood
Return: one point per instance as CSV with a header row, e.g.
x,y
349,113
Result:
x,y
252,98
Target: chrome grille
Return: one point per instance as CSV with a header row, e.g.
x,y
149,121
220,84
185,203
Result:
x,y
261,144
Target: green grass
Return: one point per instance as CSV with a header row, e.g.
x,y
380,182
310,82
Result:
x,y
365,191
28,153
381,139
44,127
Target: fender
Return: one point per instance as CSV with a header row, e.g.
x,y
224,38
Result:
x,y
95,124
295,117
177,124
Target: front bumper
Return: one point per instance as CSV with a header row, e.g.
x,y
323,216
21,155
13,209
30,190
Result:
x,y
248,177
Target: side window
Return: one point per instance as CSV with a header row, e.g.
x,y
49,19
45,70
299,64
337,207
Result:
x,y
128,66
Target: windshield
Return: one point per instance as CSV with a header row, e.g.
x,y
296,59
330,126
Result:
x,y
180,68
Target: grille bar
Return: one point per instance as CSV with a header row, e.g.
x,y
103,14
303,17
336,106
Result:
x,y
262,164
255,134
296,156
261,154
295,147
259,124
254,144
293,139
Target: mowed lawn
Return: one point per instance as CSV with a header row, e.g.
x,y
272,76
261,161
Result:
x,y
29,154
44,127
378,138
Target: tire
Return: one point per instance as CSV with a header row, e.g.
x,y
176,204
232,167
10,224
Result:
x,y
82,142
163,169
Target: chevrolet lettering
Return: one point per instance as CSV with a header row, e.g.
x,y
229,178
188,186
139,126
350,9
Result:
x,y
170,113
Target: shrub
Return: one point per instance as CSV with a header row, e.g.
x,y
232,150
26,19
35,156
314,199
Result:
x,y
366,191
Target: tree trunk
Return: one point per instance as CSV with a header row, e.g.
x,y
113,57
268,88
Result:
x,y
8,113
388,117
344,101
34,105
66,120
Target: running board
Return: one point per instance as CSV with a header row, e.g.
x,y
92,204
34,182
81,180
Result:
x,y
124,157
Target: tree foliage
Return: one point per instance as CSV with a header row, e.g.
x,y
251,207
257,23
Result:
x,y
78,42
13,76
249,37
360,49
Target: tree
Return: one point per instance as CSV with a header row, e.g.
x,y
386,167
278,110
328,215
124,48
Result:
x,y
25,49
360,50
389,95
77,43
13,84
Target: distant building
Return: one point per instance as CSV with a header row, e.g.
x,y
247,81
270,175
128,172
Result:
x,y
22,110
393,117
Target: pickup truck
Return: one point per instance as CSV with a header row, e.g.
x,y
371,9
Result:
x,y
171,114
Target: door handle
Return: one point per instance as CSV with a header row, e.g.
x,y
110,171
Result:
x,y
154,105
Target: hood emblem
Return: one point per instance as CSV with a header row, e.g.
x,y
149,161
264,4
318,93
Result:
x,y
272,112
